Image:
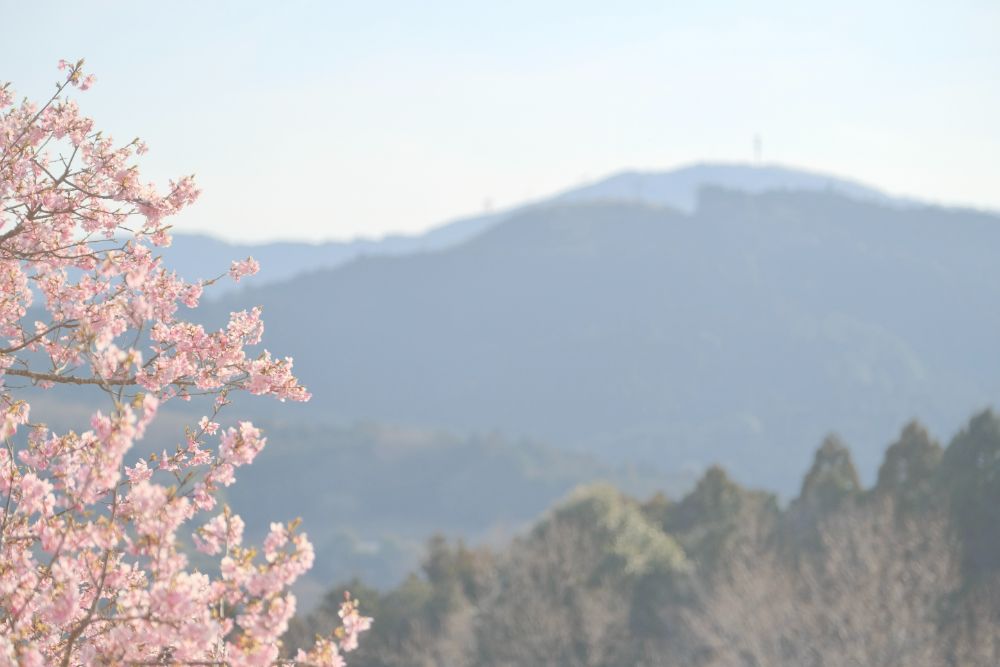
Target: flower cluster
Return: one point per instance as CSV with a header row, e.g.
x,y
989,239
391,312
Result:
x,y
92,564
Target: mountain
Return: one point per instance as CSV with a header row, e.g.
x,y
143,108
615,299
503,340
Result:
x,y
642,334
200,256
679,188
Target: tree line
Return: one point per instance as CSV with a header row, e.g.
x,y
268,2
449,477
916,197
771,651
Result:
x,y
902,573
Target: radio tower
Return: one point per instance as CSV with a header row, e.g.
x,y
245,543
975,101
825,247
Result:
x,y
758,150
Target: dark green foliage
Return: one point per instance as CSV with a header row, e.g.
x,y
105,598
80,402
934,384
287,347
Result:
x,y
971,476
717,512
832,478
716,499
910,468
831,482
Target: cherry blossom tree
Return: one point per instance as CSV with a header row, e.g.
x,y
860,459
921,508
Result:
x,y
93,564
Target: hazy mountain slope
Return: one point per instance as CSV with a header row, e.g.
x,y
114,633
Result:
x,y
199,256
736,335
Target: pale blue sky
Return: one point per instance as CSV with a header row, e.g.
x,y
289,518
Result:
x,y
323,120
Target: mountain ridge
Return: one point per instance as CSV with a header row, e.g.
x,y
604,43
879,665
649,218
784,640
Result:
x,y
194,254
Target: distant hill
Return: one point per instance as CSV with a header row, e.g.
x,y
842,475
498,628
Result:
x,y
734,334
200,256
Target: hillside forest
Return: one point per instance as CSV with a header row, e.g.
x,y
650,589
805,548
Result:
x,y
906,572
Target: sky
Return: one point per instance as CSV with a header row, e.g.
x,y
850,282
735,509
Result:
x,y
336,120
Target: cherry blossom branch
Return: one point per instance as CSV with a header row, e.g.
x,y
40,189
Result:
x,y
76,563
68,379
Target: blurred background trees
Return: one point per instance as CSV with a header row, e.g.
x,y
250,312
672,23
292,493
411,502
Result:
x,y
902,573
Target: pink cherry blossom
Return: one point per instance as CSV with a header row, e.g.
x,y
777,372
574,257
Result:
x,y
93,568
246,267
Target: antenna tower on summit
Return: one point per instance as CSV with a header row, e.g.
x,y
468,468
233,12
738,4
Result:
x,y
758,150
